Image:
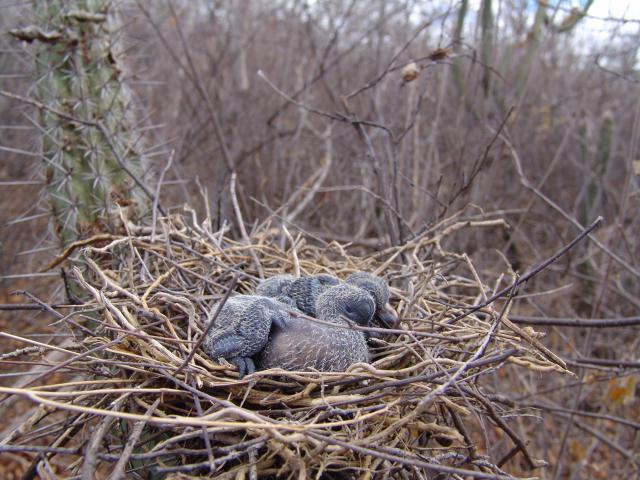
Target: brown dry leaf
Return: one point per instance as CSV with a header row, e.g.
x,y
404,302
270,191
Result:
x,y
636,167
439,54
577,451
620,391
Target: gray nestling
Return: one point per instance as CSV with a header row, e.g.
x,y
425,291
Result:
x,y
242,329
307,345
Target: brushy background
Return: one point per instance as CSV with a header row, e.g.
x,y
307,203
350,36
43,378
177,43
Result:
x,y
515,114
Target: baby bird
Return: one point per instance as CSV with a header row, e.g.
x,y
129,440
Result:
x,y
274,286
379,291
242,329
307,345
305,291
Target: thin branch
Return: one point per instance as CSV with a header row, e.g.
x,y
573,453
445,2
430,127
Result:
x,y
479,163
90,453
290,99
622,421
377,168
585,361
118,470
578,322
210,324
124,167
531,274
192,74
628,455
294,253
243,230
525,183
155,206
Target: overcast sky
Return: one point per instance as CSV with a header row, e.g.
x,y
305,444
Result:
x,y
616,8
598,26
608,9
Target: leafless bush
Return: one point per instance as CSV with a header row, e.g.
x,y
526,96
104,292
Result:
x,y
330,139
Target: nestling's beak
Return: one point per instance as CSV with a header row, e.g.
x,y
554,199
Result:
x,y
386,318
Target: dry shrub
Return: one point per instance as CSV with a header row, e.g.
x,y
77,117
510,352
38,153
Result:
x,y
137,397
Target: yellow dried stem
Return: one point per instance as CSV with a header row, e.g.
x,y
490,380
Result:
x,y
426,367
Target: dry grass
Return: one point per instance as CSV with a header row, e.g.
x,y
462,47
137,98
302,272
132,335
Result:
x,y
137,397
435,154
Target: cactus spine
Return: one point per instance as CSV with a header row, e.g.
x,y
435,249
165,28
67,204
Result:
x,y
88,141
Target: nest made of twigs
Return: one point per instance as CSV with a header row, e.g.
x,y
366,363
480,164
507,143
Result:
x,y
142,397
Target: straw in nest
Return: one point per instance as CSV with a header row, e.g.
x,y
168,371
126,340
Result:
x,y
140,396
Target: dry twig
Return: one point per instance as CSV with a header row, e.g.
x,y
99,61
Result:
x,y
157,382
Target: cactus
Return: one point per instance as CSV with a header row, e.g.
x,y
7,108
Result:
x,y
535,36
583,138
592,195
458,74
89,143
604,145
533,43
591,200
486,53
487,44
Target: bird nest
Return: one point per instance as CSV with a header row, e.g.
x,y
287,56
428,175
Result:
x,y
140,399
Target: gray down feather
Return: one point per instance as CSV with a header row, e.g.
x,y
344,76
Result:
x,y
376,287
242,329
308,345
306,290
379,291
274,286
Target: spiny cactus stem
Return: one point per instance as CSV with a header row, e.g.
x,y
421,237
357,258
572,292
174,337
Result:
x,y
42,106
97,124
144,188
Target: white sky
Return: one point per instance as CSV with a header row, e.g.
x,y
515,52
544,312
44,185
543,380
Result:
x,y
599,30
627,9
616,8
600,9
